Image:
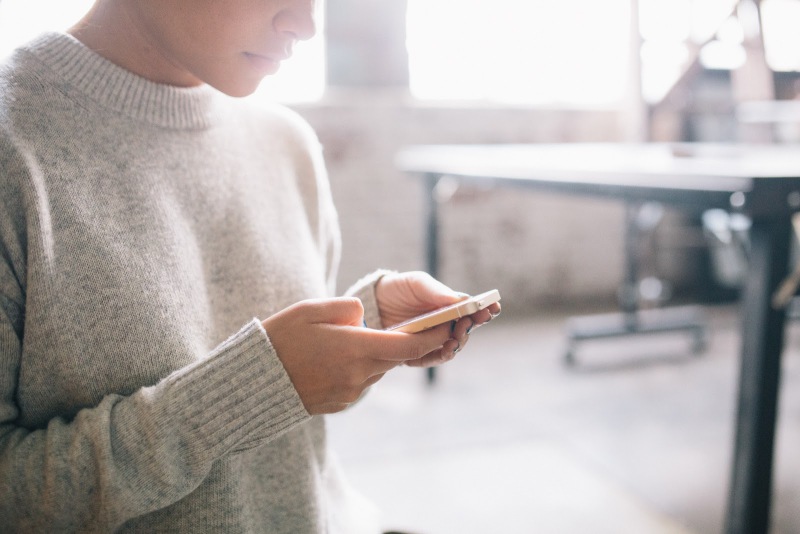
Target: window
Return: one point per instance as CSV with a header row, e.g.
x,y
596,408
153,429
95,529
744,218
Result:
x,y
573,53
781,19
532,52
578,52
669,29
21,20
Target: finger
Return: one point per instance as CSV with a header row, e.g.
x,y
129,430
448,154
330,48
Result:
x,y
427,289
398,347
339,311
484,316
456,343
378,367
437,293
437,357
479,318
373,379
332,407
495,309
461,331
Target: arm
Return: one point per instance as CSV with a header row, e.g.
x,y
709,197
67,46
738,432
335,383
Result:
x,y
131,455
70,469
63,468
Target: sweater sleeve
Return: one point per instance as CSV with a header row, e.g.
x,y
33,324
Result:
x,y
126,455
131,455
364,290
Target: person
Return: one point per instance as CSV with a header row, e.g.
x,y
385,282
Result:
x,y
170,338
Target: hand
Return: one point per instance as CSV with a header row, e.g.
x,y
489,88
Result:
x,y
402,296
331,358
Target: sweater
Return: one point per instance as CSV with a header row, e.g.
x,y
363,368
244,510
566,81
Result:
x,y
144,230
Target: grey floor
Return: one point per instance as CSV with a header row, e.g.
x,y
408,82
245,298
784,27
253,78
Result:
x,y
636,439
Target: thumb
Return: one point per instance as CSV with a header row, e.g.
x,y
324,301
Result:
x,y
344,311
401,346
428,289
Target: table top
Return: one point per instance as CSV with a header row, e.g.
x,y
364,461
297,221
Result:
x,y
756,179
769,111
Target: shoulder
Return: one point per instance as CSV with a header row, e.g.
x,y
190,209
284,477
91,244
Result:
x,y
276,123
14,101
24,91
24,77
28,96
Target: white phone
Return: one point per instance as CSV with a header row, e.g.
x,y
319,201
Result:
x,y
461,308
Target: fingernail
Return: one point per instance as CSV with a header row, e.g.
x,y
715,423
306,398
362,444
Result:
x,y
469,330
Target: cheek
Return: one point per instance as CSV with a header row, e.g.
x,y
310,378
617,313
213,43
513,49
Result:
x,y
212,43
204,37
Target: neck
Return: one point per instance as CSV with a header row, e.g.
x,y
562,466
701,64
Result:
x,y
110,30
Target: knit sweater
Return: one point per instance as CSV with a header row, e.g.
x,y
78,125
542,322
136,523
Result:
x,y
144,230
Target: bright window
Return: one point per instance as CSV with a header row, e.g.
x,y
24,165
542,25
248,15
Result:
x,y
21,20
670,28
577,52
532,52
781,35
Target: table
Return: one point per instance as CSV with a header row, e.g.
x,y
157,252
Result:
x,y
779,119
760,181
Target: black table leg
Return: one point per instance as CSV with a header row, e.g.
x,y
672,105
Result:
x,y
431,239
762,342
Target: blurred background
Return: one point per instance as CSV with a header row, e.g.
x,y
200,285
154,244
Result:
x,y
637,437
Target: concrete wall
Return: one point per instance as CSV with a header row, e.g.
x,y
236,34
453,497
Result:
x,y
541,250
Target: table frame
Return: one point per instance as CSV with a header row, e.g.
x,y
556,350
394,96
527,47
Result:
x,y
769,200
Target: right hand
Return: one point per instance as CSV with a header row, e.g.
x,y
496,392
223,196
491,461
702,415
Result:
x,y
332,358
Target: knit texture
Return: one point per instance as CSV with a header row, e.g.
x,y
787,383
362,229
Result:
x,y
144,230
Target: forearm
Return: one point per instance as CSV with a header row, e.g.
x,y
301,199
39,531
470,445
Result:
x,y
128,456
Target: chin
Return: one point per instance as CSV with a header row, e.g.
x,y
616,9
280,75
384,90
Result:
x,y
236,90
240,94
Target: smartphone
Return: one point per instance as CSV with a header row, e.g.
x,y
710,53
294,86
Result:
x,y
461,308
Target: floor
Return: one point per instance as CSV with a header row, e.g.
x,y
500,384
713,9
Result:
x,y
637,438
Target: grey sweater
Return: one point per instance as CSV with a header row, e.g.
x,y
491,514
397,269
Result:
x,y
143,230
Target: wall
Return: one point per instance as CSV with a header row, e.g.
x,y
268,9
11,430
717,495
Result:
x,y
542,251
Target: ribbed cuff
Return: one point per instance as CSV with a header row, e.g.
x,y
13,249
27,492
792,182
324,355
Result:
x,y
364,290
237,398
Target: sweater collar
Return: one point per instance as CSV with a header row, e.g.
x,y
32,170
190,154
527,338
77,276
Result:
x,y
121,90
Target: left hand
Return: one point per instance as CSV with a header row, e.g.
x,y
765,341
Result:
x,y
402,296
